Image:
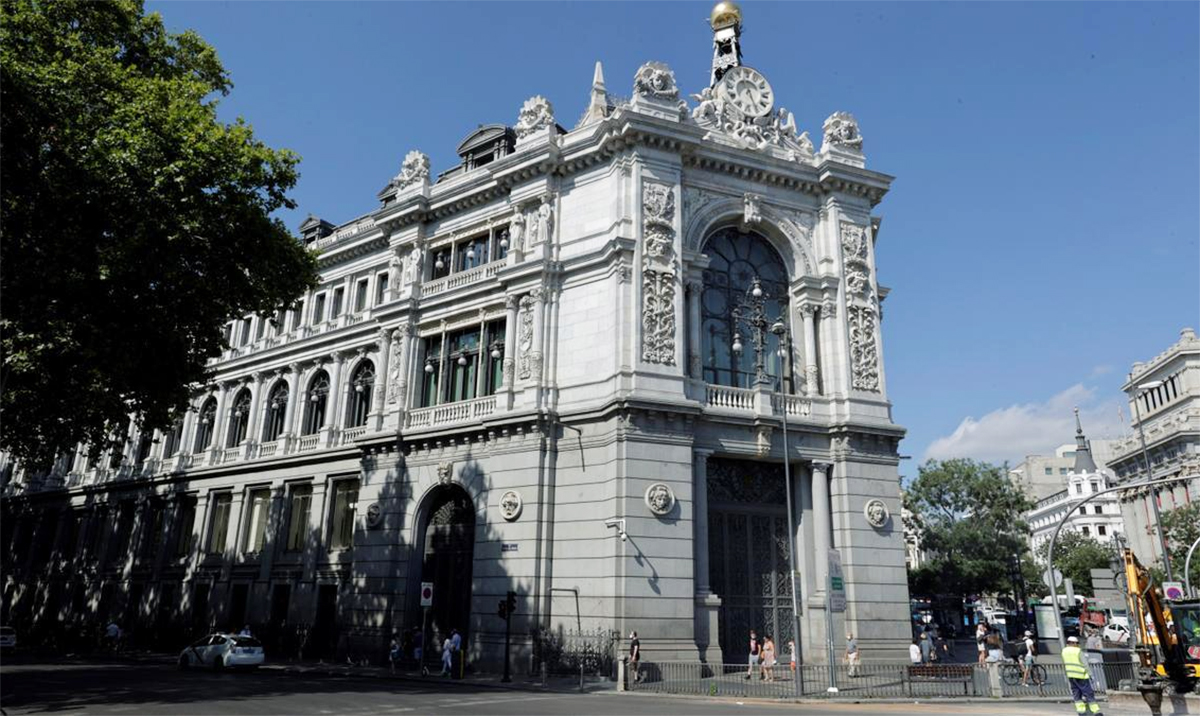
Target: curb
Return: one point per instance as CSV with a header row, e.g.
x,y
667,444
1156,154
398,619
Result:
x,y
385,675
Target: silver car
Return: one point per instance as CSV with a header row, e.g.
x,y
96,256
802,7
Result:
x,y
222,651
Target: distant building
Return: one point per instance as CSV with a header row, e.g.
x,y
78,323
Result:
x,y
1041,476
1164,400
1100,518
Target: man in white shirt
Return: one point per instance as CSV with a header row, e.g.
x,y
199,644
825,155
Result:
x,y
914,652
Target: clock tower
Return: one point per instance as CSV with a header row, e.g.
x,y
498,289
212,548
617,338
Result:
x,y
726,22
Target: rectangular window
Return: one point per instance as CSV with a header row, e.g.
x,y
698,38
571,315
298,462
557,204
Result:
x,y
220,523
360,296
1095,486
1083,510
335,309
298,315
184,525
123,522
1097,509
245,332
381,287
301,502
462,362
152,533
500,243
1062,470
431,367
1049,471
229,335
471,253
1079,488
256,523
494,378
1101,530
1087,530
345,500
440,260
318,309
260,326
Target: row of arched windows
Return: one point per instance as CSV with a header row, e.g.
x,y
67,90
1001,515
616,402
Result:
x,y
314,403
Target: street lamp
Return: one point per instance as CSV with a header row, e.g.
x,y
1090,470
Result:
x,y
1142,389
752,312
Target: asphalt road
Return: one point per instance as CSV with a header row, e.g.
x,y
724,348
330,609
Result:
x,y
156,688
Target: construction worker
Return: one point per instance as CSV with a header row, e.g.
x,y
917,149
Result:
x,y
1079,678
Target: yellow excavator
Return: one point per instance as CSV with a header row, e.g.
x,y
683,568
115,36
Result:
x,y
1167,633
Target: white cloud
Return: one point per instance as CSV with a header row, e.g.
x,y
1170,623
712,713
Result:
x,y
1031,429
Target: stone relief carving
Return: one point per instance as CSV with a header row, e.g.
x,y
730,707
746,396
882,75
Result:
x,y
536,114
414,170
762,440
655,79
660,499
525,336
394,378
508,366
864,355
445,473
751,210
773,128
862,311
841,130
658,274
412,264
374,515
510,505
877,513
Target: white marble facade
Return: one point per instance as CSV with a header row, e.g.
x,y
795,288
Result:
x,y
578,261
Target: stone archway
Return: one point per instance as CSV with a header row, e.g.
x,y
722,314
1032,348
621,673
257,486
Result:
x,y
444,556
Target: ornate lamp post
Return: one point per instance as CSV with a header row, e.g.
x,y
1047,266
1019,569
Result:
x,y
751,311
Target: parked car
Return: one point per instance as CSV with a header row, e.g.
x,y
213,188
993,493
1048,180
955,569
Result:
x,y
222,651
1115,632
8,638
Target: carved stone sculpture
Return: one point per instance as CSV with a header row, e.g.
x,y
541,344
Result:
x,y
525,336
751,214
864,353
545,219
536,114
374,515
659,269
877,513
445,473
750,120
412,264
415,169
660,499
841,130
516,231
510,505
655,79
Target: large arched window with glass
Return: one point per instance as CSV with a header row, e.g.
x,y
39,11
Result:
x,y
239,418
318,398
205,425
735,260
361,386
276,412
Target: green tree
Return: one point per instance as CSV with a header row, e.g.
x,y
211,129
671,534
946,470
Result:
x,y
1075,555
134,222
968,516
1181,527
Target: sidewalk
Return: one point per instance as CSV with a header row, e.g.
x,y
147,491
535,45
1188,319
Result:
x,y
520,682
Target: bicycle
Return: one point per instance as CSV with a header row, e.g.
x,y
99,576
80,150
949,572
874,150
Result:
x,y
1011,672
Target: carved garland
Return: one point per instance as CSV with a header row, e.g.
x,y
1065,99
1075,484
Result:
x,y
659,269
861,308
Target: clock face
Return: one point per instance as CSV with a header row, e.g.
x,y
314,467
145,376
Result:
x,y
746,89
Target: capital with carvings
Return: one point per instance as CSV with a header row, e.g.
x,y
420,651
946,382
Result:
x,y
512,302
808,309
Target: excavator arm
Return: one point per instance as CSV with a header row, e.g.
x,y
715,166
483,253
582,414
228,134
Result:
x,y
1161,653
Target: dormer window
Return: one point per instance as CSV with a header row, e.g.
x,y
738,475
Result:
x,y
485,145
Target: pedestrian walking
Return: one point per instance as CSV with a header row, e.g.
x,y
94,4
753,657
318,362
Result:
x,y
926,646
941,648
456,652
1080,679
395,652
981,632
245,631
914,652
851,656
112,635
755,651
1027,659
635,655
447,656
768,658
792,654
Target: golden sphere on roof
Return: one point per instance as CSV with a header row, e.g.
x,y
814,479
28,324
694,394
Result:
x,y
725,14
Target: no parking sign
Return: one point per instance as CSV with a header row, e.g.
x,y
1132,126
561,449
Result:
x,y
427,594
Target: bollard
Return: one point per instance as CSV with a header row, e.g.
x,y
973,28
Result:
x,y
621,673
995,685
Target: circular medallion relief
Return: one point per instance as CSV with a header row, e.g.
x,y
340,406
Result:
x,y
660,499
374,515
747,90
876,513
510,505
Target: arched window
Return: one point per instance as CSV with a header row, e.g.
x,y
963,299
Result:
x,y
239,419
314,407
205,425
360,395
276,412
735,259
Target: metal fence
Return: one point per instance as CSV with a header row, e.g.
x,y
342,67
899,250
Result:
x,y
588,653
876,680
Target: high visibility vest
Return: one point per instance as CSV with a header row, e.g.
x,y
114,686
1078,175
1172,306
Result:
x,y
1072,657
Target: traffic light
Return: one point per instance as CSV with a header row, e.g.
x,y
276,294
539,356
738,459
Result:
x,y
502,611
511,602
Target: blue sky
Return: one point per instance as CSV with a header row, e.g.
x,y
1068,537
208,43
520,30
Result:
x,y
1041,234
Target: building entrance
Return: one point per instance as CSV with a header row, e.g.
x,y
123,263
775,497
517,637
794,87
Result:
x,y
447,550
748,553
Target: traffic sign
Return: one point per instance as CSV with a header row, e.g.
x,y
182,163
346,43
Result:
x,y
1173,590
1052,579
837,587
427,594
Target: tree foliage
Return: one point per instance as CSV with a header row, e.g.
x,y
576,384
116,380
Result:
x,y
1181,528
1075,555
968,516
134,222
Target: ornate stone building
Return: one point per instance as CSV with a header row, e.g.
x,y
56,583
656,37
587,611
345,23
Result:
x,y
524,373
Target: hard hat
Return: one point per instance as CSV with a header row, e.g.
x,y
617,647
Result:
x,y
1072,640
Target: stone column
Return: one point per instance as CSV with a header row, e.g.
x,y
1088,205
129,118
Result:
x,y
821,522
384,341
511,303
807,314
397,389
695,359
294,397
253,421
539,333
832,346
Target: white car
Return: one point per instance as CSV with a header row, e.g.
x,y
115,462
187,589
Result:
x,y
223,651
1116,633
8,638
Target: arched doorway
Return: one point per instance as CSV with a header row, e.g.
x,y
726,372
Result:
x,y
445,557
